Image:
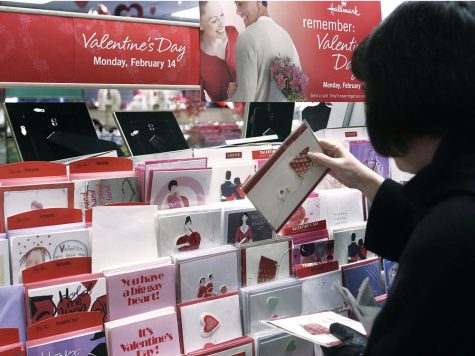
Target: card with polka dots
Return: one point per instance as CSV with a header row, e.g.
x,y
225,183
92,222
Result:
x,y
301,164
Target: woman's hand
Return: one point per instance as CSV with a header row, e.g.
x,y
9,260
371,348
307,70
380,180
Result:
x,y
346,168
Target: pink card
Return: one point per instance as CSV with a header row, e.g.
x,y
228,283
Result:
x,y
140,290
153,333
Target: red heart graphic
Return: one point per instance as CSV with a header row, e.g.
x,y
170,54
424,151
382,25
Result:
x,y
152,10
210,324
127,10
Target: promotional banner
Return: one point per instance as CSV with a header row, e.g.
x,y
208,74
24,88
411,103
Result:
x,y
41,48
277,57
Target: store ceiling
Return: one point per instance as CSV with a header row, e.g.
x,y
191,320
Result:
x,y
161,10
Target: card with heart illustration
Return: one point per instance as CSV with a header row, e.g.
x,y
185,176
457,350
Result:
x,y
84,293
210,321
265,261
211,273
269,301
19,199
282,344
318,294
189,229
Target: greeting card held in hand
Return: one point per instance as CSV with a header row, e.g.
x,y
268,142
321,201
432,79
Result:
x,y
188,229
282,184
140,289
152,333
30,250
214,320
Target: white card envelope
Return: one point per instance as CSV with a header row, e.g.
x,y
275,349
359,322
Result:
x,y
123,235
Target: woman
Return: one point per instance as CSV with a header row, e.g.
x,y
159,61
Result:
x,y
174,199
419,78
190,240
218,58
244,231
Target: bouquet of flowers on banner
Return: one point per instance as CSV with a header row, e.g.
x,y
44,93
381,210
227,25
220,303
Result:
x,y
289,78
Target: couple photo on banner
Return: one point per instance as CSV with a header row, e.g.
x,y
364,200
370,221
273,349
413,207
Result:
x,y
258,63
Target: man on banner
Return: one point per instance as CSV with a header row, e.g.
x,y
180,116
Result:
x,y
257,47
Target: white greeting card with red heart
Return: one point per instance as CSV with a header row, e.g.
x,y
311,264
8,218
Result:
x,y
211,321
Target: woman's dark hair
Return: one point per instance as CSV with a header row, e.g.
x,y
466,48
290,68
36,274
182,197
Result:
x,y
418,72
187,220
171,184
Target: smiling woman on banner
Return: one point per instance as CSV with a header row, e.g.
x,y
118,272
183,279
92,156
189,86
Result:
x,y
218,56
419,79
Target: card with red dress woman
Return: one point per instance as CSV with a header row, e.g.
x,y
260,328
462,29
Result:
x,y
246,226
188,229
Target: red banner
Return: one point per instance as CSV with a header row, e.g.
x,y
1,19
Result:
x,y
44,48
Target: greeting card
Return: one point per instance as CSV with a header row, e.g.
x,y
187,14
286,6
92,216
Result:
x,y
19,199
123,235
364,151
211,321
306,213
342,206
86,293
12,308
242,346
266,261
152,333
79,343
315,327
94,192
269,301
282,184
354,274
214,272
349,244
189,229
30,250
140,289
180,188
318,293
4,263
390,271
246,225
148,168
228,179
281,344
318,250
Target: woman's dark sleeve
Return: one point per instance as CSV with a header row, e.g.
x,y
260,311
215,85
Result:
x,y
390,222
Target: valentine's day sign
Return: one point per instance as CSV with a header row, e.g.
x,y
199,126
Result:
x,y
87,49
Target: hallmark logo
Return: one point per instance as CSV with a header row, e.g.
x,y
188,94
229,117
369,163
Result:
x,y
342,9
